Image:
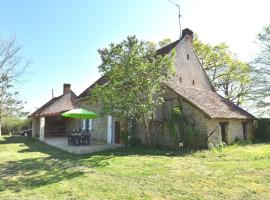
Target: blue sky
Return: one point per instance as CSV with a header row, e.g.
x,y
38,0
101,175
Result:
x,y
62,37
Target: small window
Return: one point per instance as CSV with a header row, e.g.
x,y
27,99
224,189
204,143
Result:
x,y
187,56
180,79
193,82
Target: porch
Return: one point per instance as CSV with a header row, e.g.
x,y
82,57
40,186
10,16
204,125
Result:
x,y
95,146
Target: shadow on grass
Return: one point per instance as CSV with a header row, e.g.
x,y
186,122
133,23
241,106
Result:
x,y
38,171
55,165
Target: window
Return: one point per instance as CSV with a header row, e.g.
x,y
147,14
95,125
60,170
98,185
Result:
x,y
187,56
180,79
193,82
87,124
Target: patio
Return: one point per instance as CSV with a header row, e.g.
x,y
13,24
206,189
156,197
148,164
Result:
x,y
95,146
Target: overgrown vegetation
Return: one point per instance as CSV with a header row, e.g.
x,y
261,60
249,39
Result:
x,y
13,125
262,131
30,169
184,131
135,73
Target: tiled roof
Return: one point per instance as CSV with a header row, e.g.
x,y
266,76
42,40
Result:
x,y
211,103
168,48
57,105
102,80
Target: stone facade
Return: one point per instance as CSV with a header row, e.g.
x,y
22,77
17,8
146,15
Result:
x,y
104,126
99,125
190,74
209,129
234,130
189,78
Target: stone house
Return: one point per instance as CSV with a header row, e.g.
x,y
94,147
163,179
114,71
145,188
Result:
x,y
217,119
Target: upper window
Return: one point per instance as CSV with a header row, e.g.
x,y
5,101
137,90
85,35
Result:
x,y
187,56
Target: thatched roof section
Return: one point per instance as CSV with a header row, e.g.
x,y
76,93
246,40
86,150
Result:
x,y
57,105
211,103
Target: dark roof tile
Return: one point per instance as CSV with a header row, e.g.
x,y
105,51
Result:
x,y
211,103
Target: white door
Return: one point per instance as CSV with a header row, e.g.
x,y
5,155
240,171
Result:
x,y
109,131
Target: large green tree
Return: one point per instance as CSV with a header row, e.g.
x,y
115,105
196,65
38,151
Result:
x,y
230,77
135,73
261,74
12,68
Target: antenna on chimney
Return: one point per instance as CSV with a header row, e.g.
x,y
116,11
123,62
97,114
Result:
x,y
179,16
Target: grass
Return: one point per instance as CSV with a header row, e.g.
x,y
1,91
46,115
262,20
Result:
x,y
30,169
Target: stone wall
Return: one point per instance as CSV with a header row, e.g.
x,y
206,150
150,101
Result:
x,y
189,72
100,124
167,134
235,130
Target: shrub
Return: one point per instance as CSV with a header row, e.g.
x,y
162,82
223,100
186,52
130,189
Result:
x,y
13,125
124,137
262,131
134,141
190,135
239,141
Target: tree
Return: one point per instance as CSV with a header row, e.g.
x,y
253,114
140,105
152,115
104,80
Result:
x,y
229,76
261,73
164,42
12,67
135,73
13,124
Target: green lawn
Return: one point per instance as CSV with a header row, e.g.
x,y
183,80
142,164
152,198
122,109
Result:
x,y
32,170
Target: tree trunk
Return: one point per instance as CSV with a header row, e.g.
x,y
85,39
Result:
x,y
147,136
0,126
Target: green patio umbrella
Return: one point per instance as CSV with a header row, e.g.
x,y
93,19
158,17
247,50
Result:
x,y
80,113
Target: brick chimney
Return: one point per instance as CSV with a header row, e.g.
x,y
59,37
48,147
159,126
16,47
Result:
x,y
189,33
66,88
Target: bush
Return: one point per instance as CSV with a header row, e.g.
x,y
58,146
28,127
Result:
x,y
13,125
262,131
241,142
190,135
133,142
124,137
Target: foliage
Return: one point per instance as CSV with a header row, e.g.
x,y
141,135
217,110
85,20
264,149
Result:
x,y
229,76
189,135
12,67
261,74
220,146
124,137
33,170
262,131
135,74
12,125
164,42
134,142
239,141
